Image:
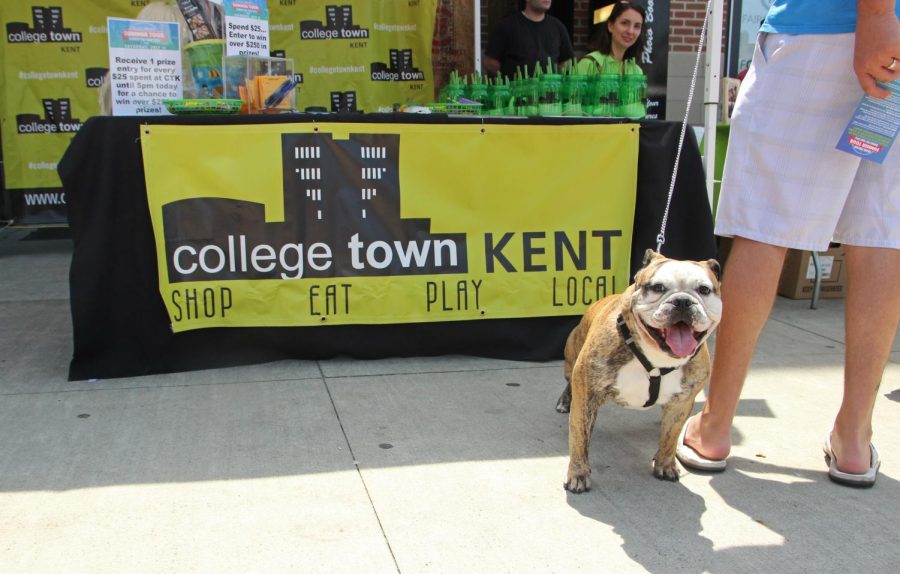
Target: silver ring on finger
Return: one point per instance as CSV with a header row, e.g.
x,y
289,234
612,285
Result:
x,y
892,65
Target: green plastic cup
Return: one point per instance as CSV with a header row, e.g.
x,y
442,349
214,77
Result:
x,y
205,57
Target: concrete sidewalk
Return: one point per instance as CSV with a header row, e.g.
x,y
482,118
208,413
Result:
x,y
447,464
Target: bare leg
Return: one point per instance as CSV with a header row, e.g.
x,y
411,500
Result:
x,y
748,292
872,311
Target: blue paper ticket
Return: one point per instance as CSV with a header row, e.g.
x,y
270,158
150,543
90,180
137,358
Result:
x,y
874,125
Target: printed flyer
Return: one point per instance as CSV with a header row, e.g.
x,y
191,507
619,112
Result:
x,y
246,28
874,126
145,66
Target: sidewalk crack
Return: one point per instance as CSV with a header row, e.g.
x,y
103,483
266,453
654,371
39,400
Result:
x,y
356,464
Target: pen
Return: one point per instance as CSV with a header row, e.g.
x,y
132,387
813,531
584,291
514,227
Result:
x,y
279,94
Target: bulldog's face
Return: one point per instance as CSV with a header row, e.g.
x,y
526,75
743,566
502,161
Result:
x,y
677,304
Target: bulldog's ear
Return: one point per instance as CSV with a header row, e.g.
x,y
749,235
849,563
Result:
x,y
649,255
715,268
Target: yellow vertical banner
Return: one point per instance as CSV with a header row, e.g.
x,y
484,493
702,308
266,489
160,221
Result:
x,y
54,56
345,223
352,55
54,59
357,55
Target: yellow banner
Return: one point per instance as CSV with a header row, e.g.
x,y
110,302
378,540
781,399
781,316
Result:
x,y
357,55
354,54
333,223
54,58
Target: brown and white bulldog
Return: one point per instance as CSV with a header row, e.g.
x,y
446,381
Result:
x,y
643,347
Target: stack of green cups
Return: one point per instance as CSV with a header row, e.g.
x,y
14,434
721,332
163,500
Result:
x,y
477,91
606,102
550,101
501,101
532,90
515,92
454,89
575,94
633,96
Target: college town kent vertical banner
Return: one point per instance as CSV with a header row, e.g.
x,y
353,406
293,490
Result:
x,y
341,223
54,57
350,54
357,55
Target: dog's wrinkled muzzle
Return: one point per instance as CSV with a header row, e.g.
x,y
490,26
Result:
x,y
676,335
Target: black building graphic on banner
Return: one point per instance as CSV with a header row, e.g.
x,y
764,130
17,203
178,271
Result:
x,y
339,17
46,26
336,192
57,118
400,68
338,25
343,101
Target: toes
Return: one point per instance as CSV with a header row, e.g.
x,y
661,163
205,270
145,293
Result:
x,y
666,471
578,484
563,403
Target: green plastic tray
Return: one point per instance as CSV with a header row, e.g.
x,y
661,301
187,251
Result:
x,y
203,106
454,108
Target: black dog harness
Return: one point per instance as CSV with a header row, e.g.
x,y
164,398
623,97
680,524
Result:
x,y
636,351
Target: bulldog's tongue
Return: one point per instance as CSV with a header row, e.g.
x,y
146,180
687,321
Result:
x,y
680,339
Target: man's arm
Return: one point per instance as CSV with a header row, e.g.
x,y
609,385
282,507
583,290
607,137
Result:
x,y
496,47
877,45
490,65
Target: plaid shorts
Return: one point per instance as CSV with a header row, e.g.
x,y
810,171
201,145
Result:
x,y
784,182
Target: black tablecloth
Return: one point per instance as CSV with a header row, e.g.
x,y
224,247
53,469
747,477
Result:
x,y
120,325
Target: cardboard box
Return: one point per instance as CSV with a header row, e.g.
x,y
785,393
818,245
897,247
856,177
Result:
x,y
798,274
728,96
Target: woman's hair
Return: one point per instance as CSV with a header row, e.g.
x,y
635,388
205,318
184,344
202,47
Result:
x,y
602,38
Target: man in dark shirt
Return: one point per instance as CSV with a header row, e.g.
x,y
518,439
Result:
x,y
526,38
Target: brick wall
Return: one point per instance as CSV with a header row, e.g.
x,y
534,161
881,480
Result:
x,y
686,21
581,24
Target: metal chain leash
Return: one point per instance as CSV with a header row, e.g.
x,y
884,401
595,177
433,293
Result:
x,y
661,238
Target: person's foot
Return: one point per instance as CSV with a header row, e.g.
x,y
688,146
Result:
x,y
864,479
853,456
695,453
707,438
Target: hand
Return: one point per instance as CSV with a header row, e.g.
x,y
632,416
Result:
x,y
877,45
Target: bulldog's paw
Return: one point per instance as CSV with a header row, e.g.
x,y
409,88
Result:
x,y
579,479
565,400
667,470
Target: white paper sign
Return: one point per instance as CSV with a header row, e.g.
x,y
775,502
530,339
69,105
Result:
x,y
826,264
246,28
144,66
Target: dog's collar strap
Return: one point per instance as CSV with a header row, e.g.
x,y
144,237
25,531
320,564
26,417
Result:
x,y
655,379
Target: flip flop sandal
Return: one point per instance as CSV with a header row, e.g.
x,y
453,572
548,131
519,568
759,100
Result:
x,y
864,480
690,458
